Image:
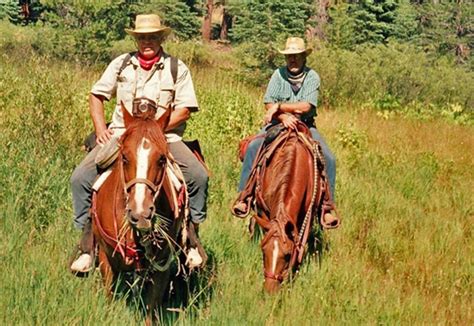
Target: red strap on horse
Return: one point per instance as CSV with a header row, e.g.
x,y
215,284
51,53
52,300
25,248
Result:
x,y
124,249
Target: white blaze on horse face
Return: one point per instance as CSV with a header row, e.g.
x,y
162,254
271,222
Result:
x,y
143,153
275,255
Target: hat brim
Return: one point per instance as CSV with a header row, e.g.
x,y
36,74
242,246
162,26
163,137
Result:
x,y
290,51
165,31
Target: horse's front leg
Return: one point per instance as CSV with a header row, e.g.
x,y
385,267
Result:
x,y
106,272
154,293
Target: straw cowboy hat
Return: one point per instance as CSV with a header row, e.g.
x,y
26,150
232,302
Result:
x,y
295,45
148,24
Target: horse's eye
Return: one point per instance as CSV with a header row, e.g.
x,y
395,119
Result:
x,y
162,160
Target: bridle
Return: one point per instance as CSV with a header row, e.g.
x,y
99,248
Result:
x,y
155,188
277,230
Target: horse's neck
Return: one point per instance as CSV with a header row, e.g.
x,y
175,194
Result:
x,y
287,179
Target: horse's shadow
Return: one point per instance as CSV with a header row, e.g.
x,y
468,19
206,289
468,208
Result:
x,y
185,295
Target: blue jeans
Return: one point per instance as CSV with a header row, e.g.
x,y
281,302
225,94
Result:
x,y
195,176
255,145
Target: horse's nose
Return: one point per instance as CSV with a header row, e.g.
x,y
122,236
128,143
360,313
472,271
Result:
x,y
133,218
135,215
141,220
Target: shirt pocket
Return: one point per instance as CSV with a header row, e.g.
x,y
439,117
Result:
x,y
125,94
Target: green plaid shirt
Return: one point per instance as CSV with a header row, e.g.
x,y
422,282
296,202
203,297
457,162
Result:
x,y
279,90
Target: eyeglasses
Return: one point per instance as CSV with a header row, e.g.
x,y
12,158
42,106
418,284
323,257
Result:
x,y
145,38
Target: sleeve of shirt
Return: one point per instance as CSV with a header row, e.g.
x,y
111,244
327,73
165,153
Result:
x,y
185,97
107,84
273,89
311,88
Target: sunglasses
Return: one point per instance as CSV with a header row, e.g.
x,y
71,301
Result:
x,y
145,38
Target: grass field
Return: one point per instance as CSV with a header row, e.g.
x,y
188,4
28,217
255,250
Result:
x,y
405,190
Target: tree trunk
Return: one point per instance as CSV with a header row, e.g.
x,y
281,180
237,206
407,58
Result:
x,y
462,50
207,22
321,18
226,24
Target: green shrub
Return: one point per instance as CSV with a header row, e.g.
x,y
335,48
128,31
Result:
x,y
391,77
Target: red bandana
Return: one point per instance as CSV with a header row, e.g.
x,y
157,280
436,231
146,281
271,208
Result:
x,y
146,64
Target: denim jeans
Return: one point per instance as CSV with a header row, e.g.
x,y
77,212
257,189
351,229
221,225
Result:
x,y
255,145
195,175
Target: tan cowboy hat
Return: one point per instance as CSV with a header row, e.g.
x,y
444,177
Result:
x,y
295,45
148,24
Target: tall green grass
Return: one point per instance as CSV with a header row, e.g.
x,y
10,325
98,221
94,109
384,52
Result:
x,y
402,256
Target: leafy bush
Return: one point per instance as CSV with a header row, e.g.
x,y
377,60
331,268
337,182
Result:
x,y
391,77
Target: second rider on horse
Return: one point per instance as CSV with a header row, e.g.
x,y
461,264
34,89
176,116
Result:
x,y
291,96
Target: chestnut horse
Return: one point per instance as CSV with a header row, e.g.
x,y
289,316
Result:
x,y
291,188
136,216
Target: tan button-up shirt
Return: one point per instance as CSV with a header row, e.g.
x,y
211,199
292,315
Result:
x,y
155,84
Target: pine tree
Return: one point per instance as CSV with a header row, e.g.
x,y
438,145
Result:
x,y
447,29
9,10
374,20
267,20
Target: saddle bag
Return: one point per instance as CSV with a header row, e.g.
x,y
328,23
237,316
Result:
x,y
108,153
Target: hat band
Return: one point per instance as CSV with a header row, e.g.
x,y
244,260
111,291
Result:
x,y
295,49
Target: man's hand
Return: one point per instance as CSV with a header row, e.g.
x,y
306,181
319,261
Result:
x,y
104,136
271,112
288,120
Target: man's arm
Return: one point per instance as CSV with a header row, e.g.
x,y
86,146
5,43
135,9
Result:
x,y
178,116
286,113
96,109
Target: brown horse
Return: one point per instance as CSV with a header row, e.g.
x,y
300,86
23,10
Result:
x,y
290,189
137,213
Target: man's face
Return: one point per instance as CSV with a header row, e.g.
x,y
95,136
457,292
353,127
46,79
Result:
x,y
295,62
149,44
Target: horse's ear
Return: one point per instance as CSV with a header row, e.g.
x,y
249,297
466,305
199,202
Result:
x,y
164,119
127,117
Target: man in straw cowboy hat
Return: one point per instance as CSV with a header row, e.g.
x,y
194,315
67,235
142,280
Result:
x,y
292,95
152,74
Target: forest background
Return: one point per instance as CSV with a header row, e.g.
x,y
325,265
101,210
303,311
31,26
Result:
x,y
396,106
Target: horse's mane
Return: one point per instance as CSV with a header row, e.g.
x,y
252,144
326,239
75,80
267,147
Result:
x,y
283,167
146,128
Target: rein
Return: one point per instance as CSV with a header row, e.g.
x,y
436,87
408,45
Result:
x,y
297,254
